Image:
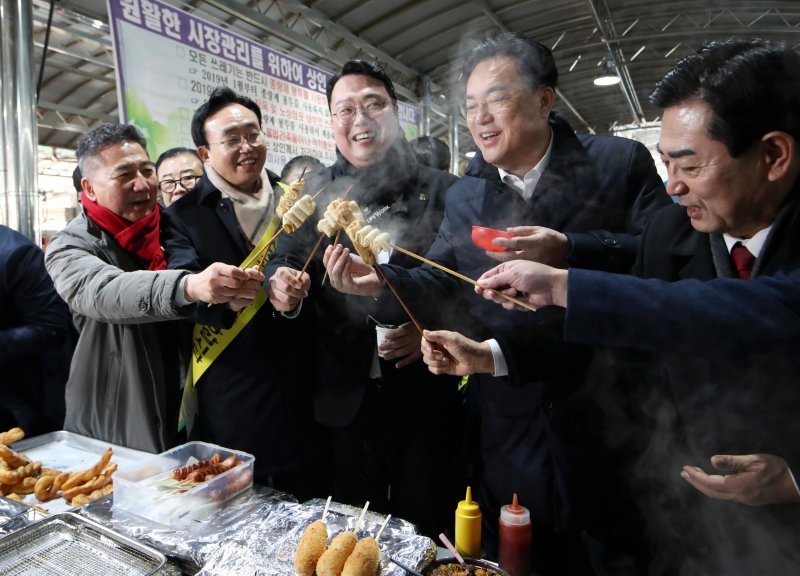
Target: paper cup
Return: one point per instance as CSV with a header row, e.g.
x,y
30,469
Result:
x,y
380,334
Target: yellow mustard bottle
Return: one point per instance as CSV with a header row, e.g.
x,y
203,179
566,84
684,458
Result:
x,y
468,527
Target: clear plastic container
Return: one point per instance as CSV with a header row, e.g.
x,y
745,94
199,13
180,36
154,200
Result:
x,y
148,490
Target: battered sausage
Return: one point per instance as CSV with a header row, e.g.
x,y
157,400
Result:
x,y
364,560
332,560
310,548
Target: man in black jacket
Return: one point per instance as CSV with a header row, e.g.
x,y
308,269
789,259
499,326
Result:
x,y
381,415
253,396
583,200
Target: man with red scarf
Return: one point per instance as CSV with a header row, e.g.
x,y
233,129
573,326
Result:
x,y
108,265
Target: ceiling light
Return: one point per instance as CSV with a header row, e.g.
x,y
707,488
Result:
x,y
608,74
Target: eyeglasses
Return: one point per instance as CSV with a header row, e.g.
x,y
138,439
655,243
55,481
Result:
x,y
346,115
493,105
188,182
235,142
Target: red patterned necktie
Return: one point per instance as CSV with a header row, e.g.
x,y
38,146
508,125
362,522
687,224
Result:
x,y
743,259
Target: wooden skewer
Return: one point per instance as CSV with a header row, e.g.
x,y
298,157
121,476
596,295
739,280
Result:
x,y
417,325
313,251
464,278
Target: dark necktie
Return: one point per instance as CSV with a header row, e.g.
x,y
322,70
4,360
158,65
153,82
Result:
x,y
743,259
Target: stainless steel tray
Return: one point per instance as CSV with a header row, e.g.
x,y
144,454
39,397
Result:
x,y
72,452
10,509
68,544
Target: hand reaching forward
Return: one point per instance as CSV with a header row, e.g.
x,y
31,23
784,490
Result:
x,y
753,479
223,283
452,353
349,274
531,282
287,288
402,344
535,243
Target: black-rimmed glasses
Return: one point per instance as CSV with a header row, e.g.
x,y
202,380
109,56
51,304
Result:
x,y
187,182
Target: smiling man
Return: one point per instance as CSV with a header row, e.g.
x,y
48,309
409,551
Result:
x,y
377,431
254,395
577,200
178,170
108,265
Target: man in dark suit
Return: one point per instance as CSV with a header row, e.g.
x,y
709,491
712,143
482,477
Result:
x,y
729,139
583,201
253,397
36,339
381,414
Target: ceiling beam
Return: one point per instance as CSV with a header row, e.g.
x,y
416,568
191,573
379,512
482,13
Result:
x,y
64,109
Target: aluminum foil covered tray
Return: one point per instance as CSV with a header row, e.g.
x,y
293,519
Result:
x,y
67,544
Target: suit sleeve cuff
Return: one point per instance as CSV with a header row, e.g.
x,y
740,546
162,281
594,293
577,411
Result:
x,y
500,366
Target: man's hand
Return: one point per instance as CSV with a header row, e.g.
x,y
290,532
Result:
x,y
248,290
451,353
349,274
402,343
221,283
287,288
535,243
531,282
753,479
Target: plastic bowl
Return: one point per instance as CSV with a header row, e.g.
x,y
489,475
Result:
x,y
482,238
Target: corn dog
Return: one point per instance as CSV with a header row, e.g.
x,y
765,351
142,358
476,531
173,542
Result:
x,y
364,559
332,560
310,548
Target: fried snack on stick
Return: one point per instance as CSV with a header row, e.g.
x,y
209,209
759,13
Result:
x,y
311,547
13,459
80,477
290,196
11,436
82,499
298,213
11,477
364,560
332,560
48,485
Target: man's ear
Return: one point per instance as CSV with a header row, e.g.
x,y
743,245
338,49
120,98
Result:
x,y
203,152
548,97
88,189
778,151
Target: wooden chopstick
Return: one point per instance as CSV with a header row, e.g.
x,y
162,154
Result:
x,y
464,278
417,325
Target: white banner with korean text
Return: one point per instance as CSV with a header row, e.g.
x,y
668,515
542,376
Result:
x,y
169,61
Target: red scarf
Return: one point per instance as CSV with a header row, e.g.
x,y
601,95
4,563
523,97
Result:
x,y
140,238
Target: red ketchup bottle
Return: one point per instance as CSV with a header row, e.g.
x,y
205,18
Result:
x,y
515,539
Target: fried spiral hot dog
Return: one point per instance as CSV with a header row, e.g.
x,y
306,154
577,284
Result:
x,y
332,560
364,560
311,547
88,487
82,499
11,436
48,485
11,477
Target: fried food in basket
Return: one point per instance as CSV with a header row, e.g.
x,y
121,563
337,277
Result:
x,y
332,560
11,436
364,559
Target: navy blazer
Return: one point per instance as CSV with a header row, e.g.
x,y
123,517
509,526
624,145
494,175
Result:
x,y
36,339
537,438
255,396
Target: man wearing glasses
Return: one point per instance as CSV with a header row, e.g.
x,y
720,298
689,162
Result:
x,y
178,170
376,426
252,397
571,200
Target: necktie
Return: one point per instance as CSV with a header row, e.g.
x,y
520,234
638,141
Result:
x,y
743,259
